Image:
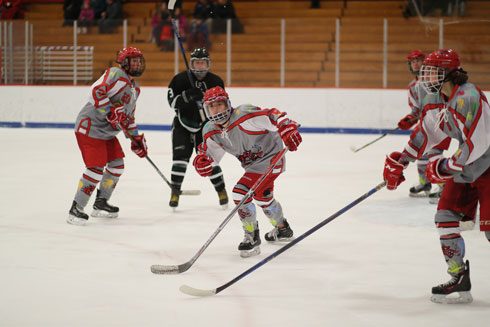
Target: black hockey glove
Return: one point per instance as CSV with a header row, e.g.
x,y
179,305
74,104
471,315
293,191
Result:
x,y
192,95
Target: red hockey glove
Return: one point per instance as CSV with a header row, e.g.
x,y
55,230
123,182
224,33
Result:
x,y
117,117
290,136
202,163
393,171
407,122
434,174
138,145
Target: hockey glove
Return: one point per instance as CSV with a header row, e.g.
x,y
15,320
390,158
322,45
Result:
x,y
407,122
138,145
117,117
202,163
434,173
393,171
290,136
192,95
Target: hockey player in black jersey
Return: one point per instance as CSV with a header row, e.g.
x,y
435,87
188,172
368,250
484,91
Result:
x,y
185,94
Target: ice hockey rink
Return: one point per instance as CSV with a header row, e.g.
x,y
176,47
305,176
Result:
x,y
372,266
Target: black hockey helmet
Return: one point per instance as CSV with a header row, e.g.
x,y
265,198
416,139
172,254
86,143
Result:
x,y
200,54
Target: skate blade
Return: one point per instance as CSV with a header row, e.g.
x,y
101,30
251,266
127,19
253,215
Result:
x,y
224,206
103,214
434,200
282,240
76,221
464,297
250,253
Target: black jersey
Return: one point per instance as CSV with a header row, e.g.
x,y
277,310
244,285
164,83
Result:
x,y
190,115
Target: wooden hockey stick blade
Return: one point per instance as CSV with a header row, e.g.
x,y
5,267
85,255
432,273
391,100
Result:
x,y
196,291
170,269
191,192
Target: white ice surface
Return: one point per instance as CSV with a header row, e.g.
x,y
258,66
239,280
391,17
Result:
x,y
372,266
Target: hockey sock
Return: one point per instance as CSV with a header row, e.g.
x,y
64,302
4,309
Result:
x,y
248,217
112,173
274,213
179,167
452,244
87,185
217,178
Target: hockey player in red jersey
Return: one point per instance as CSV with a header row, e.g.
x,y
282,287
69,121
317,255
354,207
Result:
x,y
255,137
458,109
416,95
110,108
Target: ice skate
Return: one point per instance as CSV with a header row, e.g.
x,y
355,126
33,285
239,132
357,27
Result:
x,y
420,190
250,245
284,234
76,216
174,201
459,284
435,195
223,199
102,209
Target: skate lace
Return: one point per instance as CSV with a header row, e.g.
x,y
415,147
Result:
x,y
453,281
273,233
248,238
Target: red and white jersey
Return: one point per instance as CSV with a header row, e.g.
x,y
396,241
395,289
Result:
x,y
465,116
251,137
416,95
113,88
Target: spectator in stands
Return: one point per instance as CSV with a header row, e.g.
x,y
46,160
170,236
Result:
x,y
11,9
165,34
198,36
87,17
204,9
315,4
181,21
99,7
156,21
71,11
224,10
111,17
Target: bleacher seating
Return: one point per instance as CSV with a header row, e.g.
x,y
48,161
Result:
x,y
310,42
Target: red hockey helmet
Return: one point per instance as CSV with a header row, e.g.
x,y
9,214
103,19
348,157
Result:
x,y
213,95
415,58
132,67
415,54
438,67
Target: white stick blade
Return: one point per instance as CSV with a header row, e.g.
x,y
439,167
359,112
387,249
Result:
x,y
191,192
171,4
164,270
196,292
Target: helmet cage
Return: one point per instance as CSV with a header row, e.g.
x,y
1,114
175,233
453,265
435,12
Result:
x,y
200,73
220,117
432,77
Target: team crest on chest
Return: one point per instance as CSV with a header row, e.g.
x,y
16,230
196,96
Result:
x,y
251,155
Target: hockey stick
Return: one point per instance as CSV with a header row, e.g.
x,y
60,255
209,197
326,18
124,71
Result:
x,y
174,189
175,25
379,138
200,292
177,269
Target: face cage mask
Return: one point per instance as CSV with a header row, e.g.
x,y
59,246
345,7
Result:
x,y
200,73
427,76
220,117
134,71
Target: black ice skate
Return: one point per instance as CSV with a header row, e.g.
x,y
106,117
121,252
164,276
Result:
x,y
223,199
435,195
284,234
460,284
76,216
420,191
250,245
174,200
104,209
